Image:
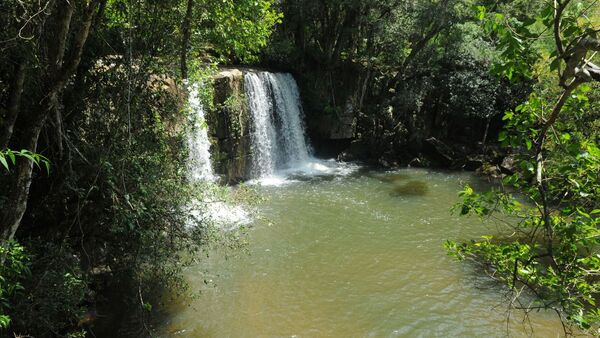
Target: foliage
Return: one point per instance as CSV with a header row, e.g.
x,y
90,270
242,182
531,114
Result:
x,y
238,28
15,265
407,70
12,155
93,85
52,303
551,201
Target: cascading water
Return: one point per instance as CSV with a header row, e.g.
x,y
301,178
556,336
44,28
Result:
x,y
289,110
278,137
264,136
224,215
199,164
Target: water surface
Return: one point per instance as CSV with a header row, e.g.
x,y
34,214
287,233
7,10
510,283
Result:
x,y
358,256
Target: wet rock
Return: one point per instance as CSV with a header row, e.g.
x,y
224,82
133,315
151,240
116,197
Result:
x,y
473,163
384,163
345,125
229,127
439,152
490,171
419,162
357,150
508,165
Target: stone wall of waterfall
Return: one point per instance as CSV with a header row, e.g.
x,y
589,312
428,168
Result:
x,y
278,139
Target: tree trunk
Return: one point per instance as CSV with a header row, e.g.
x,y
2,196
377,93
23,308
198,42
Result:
x,y
185,40
15,208
485,133
14,105
60,70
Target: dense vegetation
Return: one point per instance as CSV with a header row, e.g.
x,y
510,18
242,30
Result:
x,y
92,154
394,74
551,201
94,86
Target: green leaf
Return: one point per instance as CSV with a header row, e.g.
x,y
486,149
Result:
x,y
554,64
11,155
480,12
4,321
47,165
27,154
571,30
508,116
529,21
3,161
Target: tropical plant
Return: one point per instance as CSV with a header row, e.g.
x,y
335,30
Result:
x,y
551,201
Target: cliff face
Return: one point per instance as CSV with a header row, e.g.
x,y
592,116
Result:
x,y
229,127
342,122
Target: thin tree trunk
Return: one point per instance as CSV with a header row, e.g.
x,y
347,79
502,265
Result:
x,y
20,193
60,72
14,105
60,34
364,89
185,40
485,133
539,156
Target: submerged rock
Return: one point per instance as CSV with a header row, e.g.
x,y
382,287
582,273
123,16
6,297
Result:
x,y
411,188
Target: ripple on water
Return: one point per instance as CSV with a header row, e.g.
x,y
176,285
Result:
x,y
343,258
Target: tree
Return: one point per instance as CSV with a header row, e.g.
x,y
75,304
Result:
x,y
93,85
554,137
59,31
46,42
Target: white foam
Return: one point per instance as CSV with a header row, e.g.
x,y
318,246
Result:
x,y
226,216
312,168
272,180
221,214
317,167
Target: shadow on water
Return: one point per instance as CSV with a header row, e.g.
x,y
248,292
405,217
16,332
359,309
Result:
x,y
410,188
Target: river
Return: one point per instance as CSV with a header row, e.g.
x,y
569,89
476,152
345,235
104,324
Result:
x,y
357,255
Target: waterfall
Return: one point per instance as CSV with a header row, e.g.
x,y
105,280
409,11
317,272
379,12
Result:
x,y
278,138
199,164
289,110
264,136
206,209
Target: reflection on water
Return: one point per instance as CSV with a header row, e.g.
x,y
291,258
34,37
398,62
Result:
x,y
342,258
